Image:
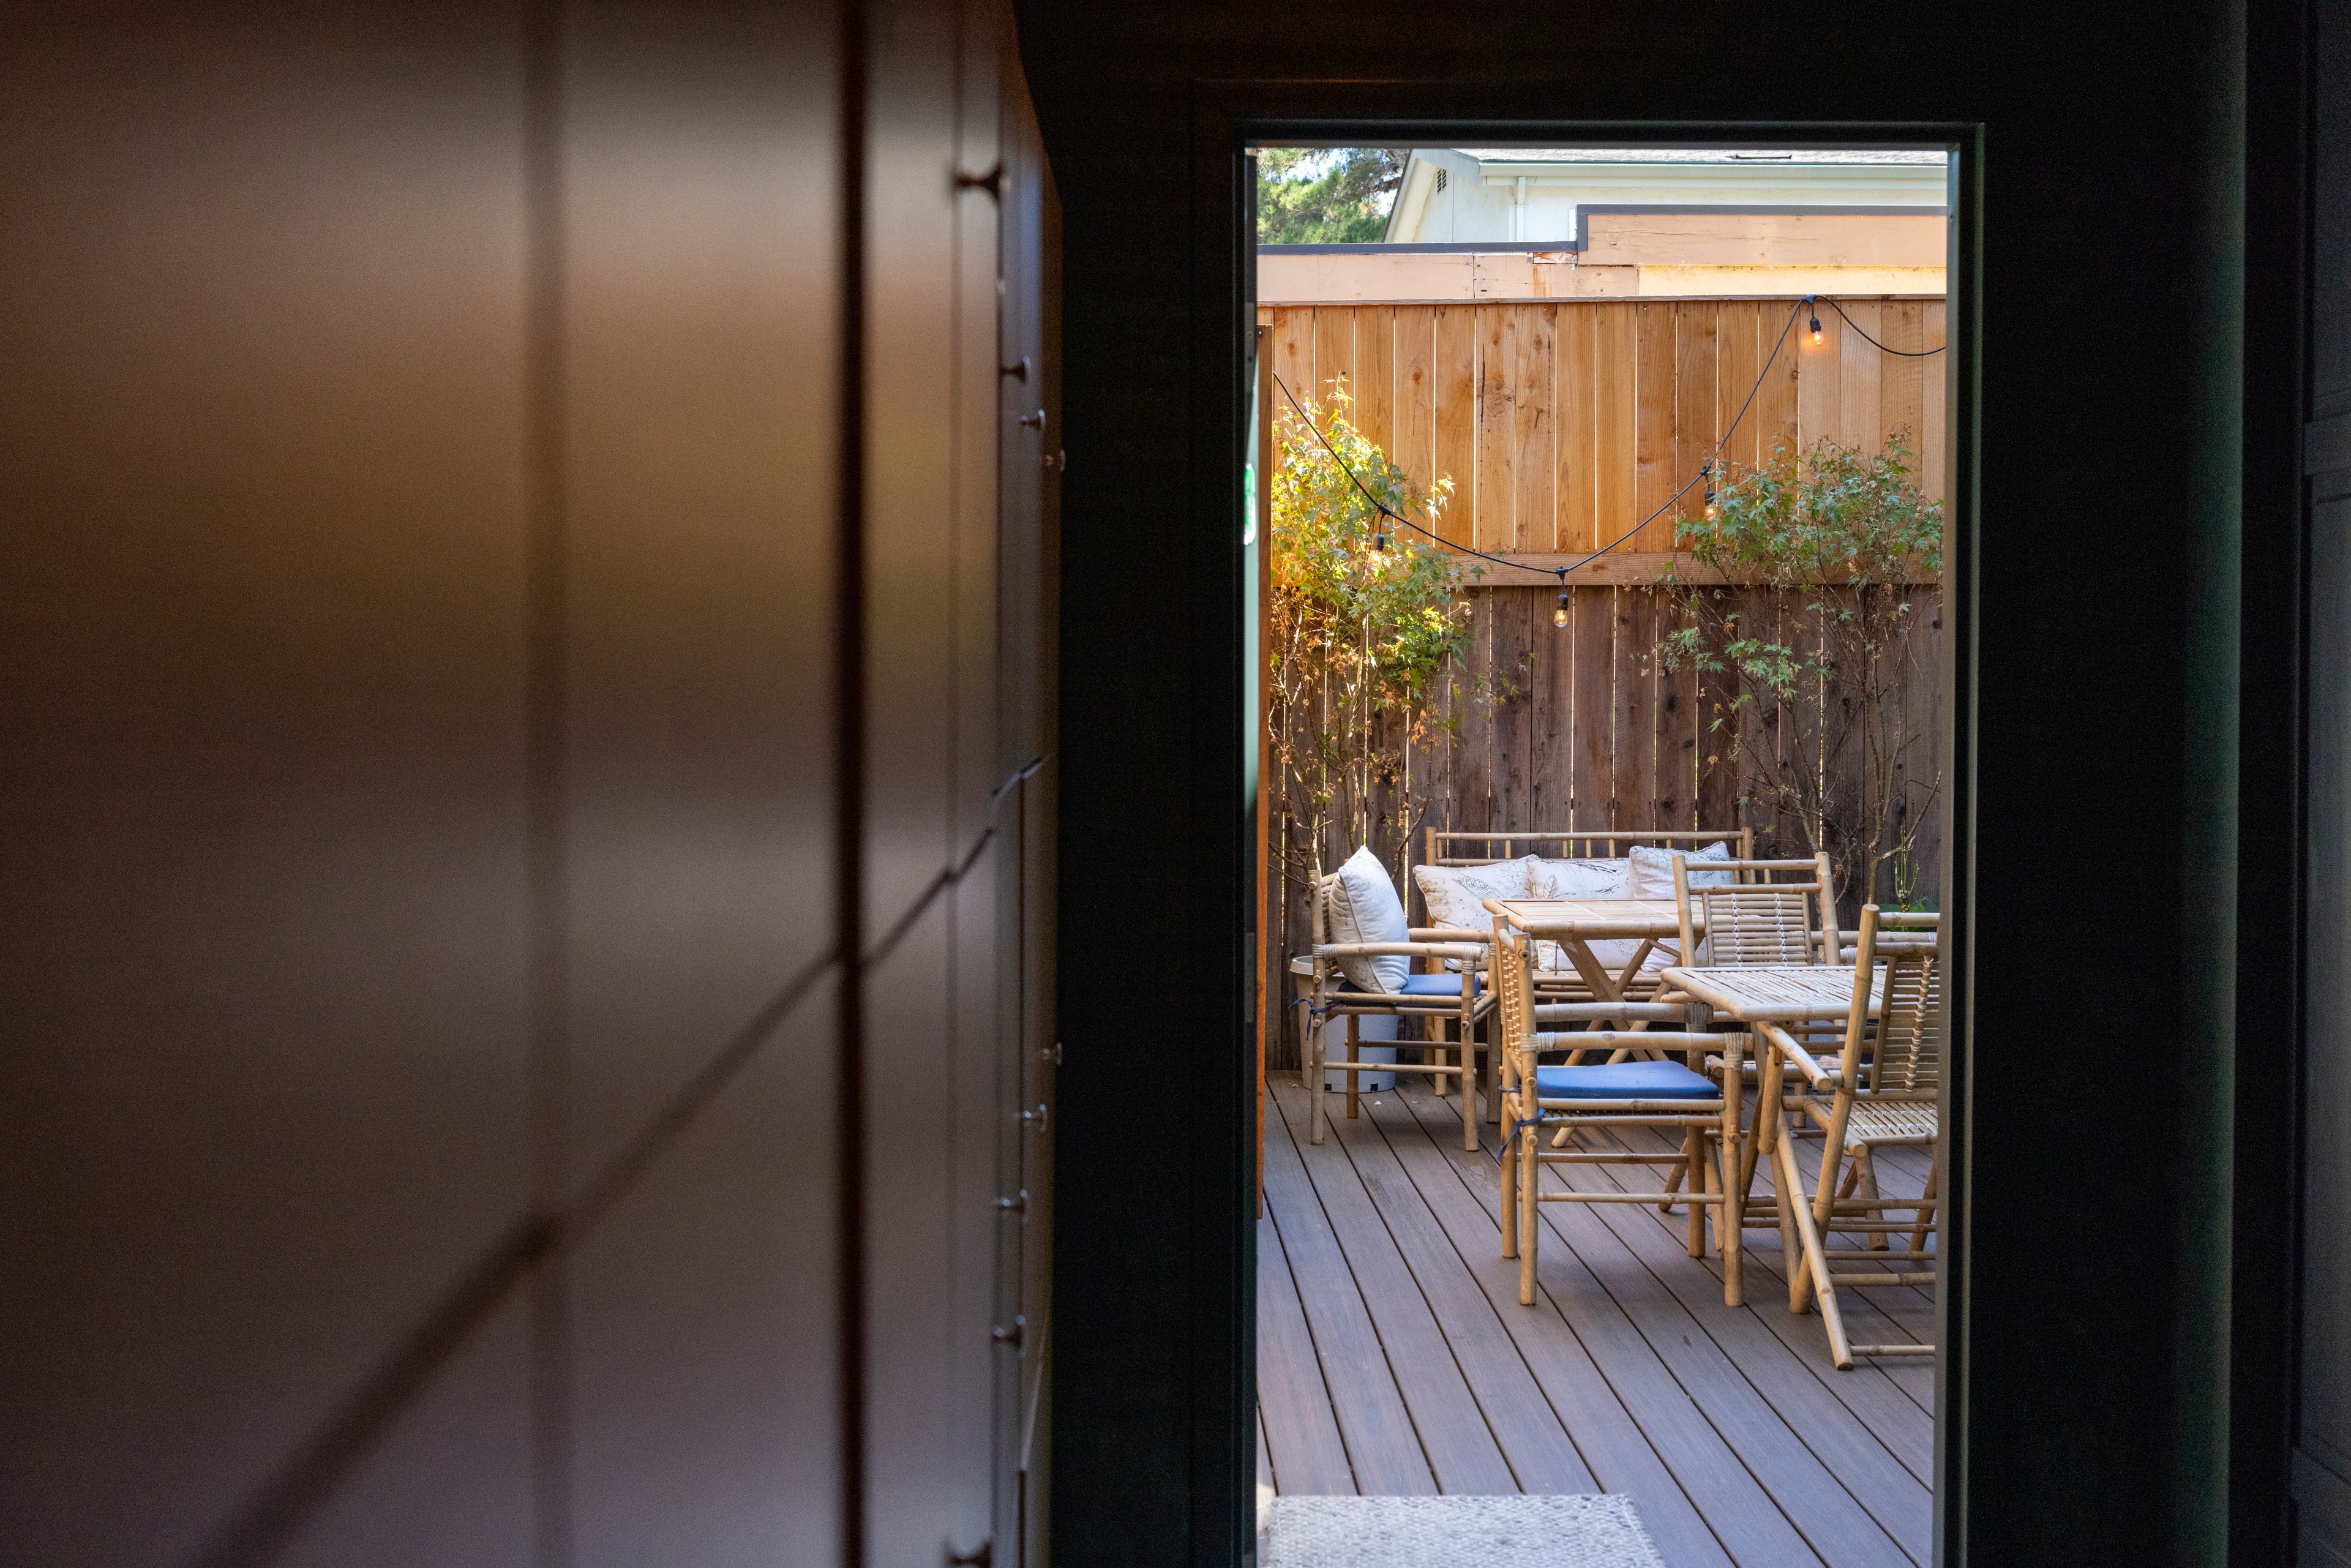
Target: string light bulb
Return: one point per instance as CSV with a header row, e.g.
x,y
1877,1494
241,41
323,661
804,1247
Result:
x,y
1816,324
1713,508
1558,616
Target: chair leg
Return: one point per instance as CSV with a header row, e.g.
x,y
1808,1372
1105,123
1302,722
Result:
x,y
1812,1276
1673,1185
1925,1216
1354,1044
1867,1169
1468,1115
1694,1168
1730,1223
1530,1224
1315,1053
1509,1175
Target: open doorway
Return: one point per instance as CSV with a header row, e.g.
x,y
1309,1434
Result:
x,y
1599,519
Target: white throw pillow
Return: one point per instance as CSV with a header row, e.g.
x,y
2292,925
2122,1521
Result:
x,y
1364,908
1579,879
1457,895
1652,870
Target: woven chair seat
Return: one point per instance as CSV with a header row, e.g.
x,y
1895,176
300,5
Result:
x,y
1884,1121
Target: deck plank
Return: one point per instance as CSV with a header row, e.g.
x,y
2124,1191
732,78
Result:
x,y
1901,1501
1803,1494
1541,1454
1740,1514
1383,1447
1611,1441
1454,1432
1301,1443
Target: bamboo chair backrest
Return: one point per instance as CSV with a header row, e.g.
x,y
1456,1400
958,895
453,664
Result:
x,y
1513,992
1906,1056
1754,920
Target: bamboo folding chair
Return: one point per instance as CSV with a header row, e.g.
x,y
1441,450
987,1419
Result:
x,y
1444,996
1881,1093
1607,1098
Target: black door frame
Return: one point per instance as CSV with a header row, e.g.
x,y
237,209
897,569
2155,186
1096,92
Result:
x,y
1229,118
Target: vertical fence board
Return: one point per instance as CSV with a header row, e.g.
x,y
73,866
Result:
x,y
1735,421
1696,371
1714,727
1778,344
1594,612
1535,427
1552,715
1473,757
1293,353
1631,758
1615,462
1497,336
1414,416
1933,447
1456,416
1901,382
1861,424
1654,472
1817,367
1375,374
1512,732
1676,726
1334,348
1575,406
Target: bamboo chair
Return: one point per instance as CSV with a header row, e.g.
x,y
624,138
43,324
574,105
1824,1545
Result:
x,y
1444,996
1754,919
1606,1098
1881,1093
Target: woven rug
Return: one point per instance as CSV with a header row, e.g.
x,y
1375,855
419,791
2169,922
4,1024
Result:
x,y
1458,1532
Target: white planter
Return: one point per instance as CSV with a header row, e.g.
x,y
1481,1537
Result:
x,y
1370,1028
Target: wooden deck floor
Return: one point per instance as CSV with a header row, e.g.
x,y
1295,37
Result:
x,y
1393,1357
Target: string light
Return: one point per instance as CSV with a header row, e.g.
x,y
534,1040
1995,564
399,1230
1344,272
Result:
x,y
1816,319
1713,510
1558,616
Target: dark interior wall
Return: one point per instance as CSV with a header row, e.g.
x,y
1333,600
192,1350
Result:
x,y
447,744
2096,615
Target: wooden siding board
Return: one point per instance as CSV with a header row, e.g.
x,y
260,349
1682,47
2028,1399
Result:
x,y
1513,730
1413,416
1735,421
1293,354
1714,726
1631,758
1472,755
1552,716
1615,461
1455,419
1676,726
1535,468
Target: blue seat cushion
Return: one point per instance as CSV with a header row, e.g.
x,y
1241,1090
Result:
x,y
1623,1081
1426,986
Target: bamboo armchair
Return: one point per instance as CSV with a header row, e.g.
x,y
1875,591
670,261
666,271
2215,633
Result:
x,y
1882,1090
1456,997
1755,920
1606,1098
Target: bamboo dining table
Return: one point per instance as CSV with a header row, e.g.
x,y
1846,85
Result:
x,y
1786,995
1575,924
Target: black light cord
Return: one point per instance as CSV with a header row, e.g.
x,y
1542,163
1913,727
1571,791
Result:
x,y
1704,470
1904,354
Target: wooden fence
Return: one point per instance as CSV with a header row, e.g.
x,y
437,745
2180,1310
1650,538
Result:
x,y
1583,727
1563,423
